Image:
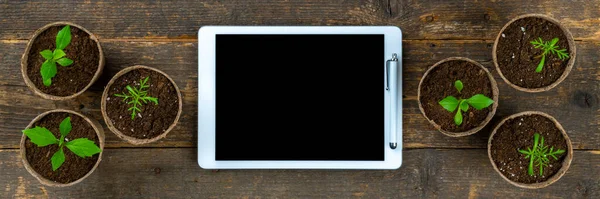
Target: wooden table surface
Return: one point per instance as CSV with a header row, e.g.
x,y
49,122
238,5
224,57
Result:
x,y
162,34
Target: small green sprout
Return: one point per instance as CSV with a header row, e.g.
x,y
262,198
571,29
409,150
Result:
x,y
48,70
539,154
81,147
135,95
450,103
548,47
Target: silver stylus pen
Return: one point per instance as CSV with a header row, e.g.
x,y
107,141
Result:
x,y
391,84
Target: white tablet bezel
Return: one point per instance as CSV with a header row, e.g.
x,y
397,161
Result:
x,y
206,97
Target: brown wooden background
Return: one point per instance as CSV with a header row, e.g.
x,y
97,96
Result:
x,y
162,34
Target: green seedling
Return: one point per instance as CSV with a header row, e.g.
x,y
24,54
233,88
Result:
x,y
539,154
81,147
48,70
136,96
548,47
450,103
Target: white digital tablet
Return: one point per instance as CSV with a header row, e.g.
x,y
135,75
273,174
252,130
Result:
x,y
299,97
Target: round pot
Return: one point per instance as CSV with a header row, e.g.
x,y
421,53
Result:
x,y
572,53
95,125
25,57
483,123
109,121
565,164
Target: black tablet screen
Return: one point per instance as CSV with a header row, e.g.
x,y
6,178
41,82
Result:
x,y
299,97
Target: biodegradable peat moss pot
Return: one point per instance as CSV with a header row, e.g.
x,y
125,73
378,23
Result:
x,y
152,117
37,160
518,60
440,82
517,132
83,50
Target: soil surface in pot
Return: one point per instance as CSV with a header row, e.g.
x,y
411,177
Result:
x,y
517,58
69,79
74,167
153,120
439,84
517,134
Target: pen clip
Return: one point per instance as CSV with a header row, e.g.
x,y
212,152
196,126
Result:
x,y
387,70
387,75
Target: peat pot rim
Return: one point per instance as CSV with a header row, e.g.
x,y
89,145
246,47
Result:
x,y
490,115
108,121
95,125
565,164
25,57
572,54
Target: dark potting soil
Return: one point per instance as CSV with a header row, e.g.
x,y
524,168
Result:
x,y
439,84
153,120
518,59
69,79
74,167
517,134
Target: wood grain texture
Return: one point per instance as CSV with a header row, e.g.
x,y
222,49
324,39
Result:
x,y
475,19
180,19
574,102
426,19
174,173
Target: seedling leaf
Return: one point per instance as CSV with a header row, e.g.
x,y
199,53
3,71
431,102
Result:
x,y
524,151
560,151
65,126
449,103
48,71
47,54
63,38
458,85
540,65
83,147
58,159
480,101
40,136
152,99
47,82
58,53
64,61
458,119
131,90
553,42
464,106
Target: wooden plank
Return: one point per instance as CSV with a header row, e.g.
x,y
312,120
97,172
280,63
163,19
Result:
x,y
180,19
574,102
427,19
473,19
174,173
